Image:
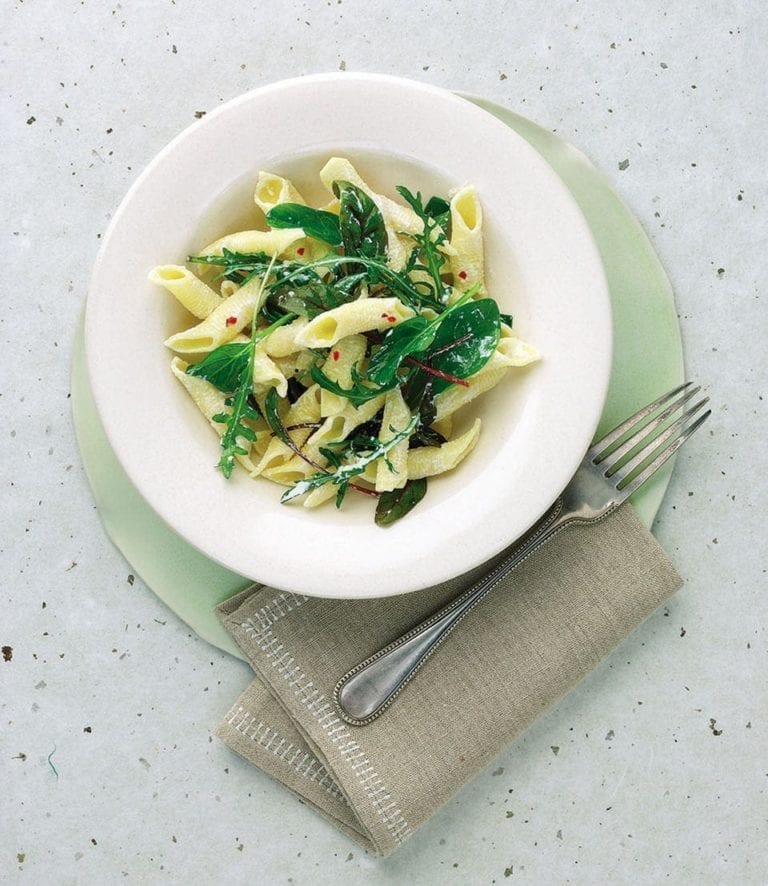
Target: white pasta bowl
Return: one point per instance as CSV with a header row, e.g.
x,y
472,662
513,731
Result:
x,y
542,266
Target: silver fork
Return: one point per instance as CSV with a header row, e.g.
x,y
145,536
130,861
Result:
x,y
612,469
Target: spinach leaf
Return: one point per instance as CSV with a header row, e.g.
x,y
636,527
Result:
x,y
358,394
307,301
412,336
391,506
475,328
414,389
316,223
506,318
224,366
362,227
427,408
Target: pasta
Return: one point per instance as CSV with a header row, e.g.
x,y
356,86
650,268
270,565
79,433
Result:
x,y
269,242
331,351
466,255
343,359
210,401
197,297
364,315
224,323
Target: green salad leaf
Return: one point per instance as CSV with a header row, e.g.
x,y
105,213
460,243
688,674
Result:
x,y
316,223
391,506
357,394
363,232
224,366
315,297
411,337
440,210
236,430
433,235
464,341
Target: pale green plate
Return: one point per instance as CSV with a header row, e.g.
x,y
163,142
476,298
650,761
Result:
x,y
648,360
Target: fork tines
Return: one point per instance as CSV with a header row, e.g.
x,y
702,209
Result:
x,y
640,445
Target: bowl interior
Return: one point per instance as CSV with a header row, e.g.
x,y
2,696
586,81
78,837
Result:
x,y
541,266
234,210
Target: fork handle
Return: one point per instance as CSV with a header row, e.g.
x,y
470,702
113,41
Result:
x,y
367,690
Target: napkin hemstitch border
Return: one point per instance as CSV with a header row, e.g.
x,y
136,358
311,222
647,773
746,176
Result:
x,y
309,766
259,627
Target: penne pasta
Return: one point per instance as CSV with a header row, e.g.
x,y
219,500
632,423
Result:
x,y
363,315
466,254
347,354
271,190
284,341
222,325
266,374
190,291
452,399
392,471
210,401
428,461
269,242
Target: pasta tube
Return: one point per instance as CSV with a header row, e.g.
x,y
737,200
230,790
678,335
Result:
x,y
210,401
353,318
431,460
190,291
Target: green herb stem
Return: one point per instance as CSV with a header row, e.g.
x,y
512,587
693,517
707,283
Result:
x,y
343,475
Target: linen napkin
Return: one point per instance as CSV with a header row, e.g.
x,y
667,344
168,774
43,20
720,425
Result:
x,y
529,641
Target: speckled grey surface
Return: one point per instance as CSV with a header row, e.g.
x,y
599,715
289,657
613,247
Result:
x,y
655,769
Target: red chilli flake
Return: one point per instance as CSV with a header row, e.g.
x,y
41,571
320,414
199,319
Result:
x,y
463,275
300,250
391,319
336,355
231,321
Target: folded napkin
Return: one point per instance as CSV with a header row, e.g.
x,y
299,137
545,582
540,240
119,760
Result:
x,y
534,637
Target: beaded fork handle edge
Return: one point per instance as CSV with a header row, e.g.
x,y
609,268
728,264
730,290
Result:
x,y
552,523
